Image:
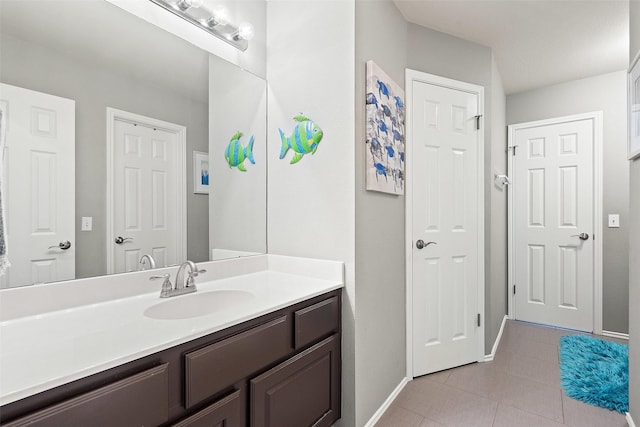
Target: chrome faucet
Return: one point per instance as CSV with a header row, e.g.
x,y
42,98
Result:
x,y
181,287
193,272
149,259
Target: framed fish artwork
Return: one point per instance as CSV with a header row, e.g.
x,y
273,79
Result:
x,y
385,113
200,172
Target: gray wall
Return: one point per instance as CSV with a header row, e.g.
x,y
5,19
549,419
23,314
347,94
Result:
x,y
634,246
496,286
31,66
311,204
607,93
380,261
441,54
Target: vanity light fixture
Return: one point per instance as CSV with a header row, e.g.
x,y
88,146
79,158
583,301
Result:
x,y
214,22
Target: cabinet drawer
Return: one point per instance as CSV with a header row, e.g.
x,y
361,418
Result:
x,y
316,321
300,392
224,413
139,400
212,368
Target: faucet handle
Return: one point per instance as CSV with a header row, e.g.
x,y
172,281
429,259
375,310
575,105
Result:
x,y
191,282
166,285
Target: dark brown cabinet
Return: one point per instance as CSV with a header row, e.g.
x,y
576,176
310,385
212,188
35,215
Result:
x,y
224,413
282,369
139,400
303,391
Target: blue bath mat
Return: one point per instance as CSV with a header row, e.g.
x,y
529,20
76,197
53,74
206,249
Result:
x,y
595,371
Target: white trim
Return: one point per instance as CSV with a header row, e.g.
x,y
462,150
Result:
x,y
630,420
114,114
596,116
618,335
410,77
633,63
387,403
489,357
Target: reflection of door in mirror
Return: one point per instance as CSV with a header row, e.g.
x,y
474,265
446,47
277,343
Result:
x,y
147,213
39,186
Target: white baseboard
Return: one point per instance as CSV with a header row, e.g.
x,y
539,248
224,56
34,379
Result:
x,y
630,420
618,335
489,357
381,410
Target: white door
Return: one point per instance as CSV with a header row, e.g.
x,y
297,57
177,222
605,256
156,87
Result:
x,y
39,186
146,205
447,225
553,221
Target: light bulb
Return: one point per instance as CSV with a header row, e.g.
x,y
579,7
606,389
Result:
x,y
245,31
219,16
188,4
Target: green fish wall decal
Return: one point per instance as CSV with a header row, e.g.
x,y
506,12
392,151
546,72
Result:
x,y
236,152
305,139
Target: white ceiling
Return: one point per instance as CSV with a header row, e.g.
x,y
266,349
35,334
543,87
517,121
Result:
x,y
535,42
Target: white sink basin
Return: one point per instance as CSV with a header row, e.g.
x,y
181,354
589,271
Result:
x,y
197,304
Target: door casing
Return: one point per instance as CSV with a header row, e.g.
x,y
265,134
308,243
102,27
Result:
x,y
410,77
114,114
596,116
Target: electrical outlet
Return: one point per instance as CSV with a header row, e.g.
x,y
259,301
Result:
x,y
87,223
614,221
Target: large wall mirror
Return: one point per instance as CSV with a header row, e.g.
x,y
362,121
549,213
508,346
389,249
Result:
x,y
107,118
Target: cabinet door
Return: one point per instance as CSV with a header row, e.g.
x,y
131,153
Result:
x,y
224,413
302,391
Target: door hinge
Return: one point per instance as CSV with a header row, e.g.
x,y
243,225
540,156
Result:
x,y
478,121
514,289
478,319
514,149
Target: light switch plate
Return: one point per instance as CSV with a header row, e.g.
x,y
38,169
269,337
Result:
x,y
614,220
87,223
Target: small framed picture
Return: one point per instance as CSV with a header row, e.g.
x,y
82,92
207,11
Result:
x,y
634,110
200,172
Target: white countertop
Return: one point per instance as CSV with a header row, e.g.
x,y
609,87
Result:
x,y
42,351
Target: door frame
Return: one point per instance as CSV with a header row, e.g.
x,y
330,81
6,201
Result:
x,y
180,131
410,77
596,116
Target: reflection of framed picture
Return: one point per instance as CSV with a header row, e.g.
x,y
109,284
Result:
x,y
200,172
634,110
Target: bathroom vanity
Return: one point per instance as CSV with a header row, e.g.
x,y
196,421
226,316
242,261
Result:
x,y
269,355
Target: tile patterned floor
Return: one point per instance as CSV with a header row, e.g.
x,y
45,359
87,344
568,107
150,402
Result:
x,y
519,388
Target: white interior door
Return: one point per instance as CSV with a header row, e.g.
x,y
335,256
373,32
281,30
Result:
x,y
39,186
447,225
553,222
147,194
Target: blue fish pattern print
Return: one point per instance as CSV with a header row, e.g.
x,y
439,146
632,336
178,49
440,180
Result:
x,y
399,102
381,170
397,136
385,129
390,151
383,89
372,100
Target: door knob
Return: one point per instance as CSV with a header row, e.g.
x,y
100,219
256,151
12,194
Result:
x,y
421,244
62,245
582,236
120,240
